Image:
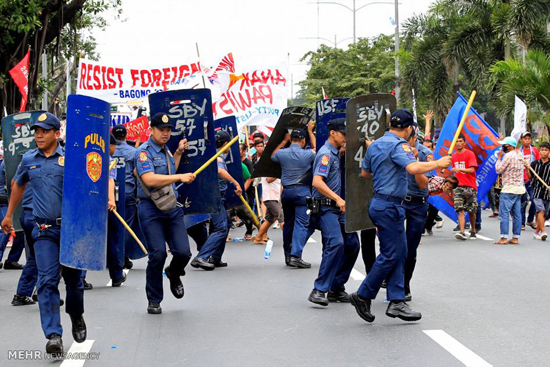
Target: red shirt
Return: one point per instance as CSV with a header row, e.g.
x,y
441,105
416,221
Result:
x,y
530,155
466,159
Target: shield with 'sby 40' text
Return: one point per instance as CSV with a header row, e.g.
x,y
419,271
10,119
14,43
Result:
x,y
18,139
85,184
366,118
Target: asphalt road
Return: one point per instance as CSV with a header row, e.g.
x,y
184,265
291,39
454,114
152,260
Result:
x,y
482,305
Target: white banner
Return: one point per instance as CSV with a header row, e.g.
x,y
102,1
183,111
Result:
x,y
520,119
116,84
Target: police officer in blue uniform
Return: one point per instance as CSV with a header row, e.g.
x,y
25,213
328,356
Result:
x,y
296,163
389,159
210,254
156,168
42,170
125,155
340,249
416,208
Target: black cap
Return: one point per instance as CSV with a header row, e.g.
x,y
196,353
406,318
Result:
x,y
112,140
401,119
222,137
337,125
47,121
119,131
525,133
258,134
297,134
161,120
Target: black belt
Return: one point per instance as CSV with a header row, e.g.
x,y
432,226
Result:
x,y
328,202
293,185
393,199
48,222
415,199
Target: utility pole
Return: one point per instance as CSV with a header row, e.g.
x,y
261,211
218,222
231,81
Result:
x,y
354,11
397,75
44,76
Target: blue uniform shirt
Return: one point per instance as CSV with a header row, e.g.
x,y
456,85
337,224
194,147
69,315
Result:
x,y
424,155
27,196
45,175
386,159
112,172
327,164
150,157
126,153
3,187
295,162
222,165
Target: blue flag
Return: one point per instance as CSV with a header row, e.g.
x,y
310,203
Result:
x,y
480,139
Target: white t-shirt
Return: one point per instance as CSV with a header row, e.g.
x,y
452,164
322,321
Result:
x,y
271,191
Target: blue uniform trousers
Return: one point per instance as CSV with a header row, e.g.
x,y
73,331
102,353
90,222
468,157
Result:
x,y
219,229
28,278
161,228
46,247
296,219
131,248
389,218
115,246
416,214
340,250
199,234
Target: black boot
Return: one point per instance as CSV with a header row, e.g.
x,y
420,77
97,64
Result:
x,y
296,262
318,297
54,346
341,296
79,328
154,308
402,310
362,306
22,300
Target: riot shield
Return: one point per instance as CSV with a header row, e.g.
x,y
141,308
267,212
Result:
x,y
194,219
367,118
191,114
114,225
326,110
18,139
233,161
291,118
85,184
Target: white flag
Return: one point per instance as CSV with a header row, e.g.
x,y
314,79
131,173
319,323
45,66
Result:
x,y
520,119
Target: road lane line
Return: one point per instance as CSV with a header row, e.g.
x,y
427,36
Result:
x,y
126,271
84,347
458,350
484,238
357,275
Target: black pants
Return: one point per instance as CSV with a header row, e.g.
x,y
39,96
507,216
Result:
x,y
368,252
431,218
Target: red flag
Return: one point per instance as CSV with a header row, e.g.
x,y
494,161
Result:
x,y
20,75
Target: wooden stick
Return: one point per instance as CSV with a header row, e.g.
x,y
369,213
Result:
x,y
131,232
220,152
254,217
537,176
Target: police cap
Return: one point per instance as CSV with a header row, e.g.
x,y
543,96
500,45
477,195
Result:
x,y
47,121
112,140
338,124
401,119
297,134
222,137
161,120
120,132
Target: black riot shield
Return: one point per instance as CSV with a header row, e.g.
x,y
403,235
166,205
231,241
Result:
x,y
18,139
191,114
233,161
367,118
291,118
326,110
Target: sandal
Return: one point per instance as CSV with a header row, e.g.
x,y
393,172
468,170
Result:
x,y
494,215
513,241
247,237
501,242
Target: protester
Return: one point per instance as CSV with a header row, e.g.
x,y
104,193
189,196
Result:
x,y
541,193
530,154
271,195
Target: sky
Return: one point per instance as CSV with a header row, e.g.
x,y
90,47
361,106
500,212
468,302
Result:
x,y
259,33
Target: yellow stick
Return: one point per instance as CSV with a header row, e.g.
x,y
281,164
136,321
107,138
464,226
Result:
x,y
464,115
131,232
220,152
254,217
537,176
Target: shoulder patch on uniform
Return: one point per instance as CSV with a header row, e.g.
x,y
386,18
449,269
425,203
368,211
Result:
x,y
61,161
143,156
406,148
325,160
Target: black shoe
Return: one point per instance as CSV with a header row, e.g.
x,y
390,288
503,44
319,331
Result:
x,y
478,229
287,261
362,306
154,308
429,232
296,262
128,264
118,282
384,284
403,311
201,263
79,329
54,346
218,263
1,264
12,265
318,297
35,298
87,286
408,297
341,296
176,286
466,226
22,300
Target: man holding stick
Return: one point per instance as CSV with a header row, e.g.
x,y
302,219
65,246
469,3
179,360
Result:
x,y
541,191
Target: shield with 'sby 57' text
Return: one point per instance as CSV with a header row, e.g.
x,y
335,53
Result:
x,y
85,184
366,118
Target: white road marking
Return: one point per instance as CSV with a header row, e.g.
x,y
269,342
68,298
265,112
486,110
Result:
x,y
311,240
357,275
84,347
458,350
126,271
484,238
